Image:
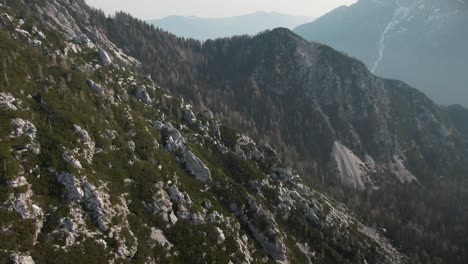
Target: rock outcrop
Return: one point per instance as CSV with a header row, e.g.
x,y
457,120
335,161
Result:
x,y
175,144
8,102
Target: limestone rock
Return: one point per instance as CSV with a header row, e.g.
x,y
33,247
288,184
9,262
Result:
x,y
97,201
8,102
188,115
22,204
18,182
175,194
175,143
143,95
72,161
23,127
105,58
350,168
96,87
18,258
72,186
196,167
268,236
161,204
88,152
221,236
158,236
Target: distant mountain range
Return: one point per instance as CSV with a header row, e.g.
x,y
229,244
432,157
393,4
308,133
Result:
x,y
211,28
422,42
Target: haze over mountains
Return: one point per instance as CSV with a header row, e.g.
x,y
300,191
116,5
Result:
x,y
422,42
211,28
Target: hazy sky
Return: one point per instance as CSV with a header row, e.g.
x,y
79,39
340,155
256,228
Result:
x,y
148,9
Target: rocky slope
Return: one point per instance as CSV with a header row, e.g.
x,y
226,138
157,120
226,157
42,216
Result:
x,y
328,116
305,98
100,164
422,42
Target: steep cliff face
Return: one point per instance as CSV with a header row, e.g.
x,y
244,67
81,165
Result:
x,y
422,42
102,165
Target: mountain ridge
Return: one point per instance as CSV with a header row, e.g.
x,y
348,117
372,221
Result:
x,y
211,28
420,42
306,98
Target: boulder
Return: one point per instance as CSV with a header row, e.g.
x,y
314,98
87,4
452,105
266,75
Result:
x,y
72,161
143,95
18,182
221,236
23,127
18,258
7,102
188,115
104,56
196,167
89,150
74,192
96,87
175,194
98,203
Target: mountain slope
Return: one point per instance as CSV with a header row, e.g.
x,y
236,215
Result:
x,y
422,42
212,28
100,165
332,118
303,97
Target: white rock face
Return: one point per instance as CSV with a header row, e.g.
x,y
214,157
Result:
x,y
143,95
97,201
269,236
111,218
158,236
73,189
96,87
104,56
242,244
72,161
351,170
304,248
161,204
175,141
399,170
221,237
83,136
22,204
18,182
26,128
7,102
131,145
188,115
196,167
175,194
176,144
21,259
23,127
